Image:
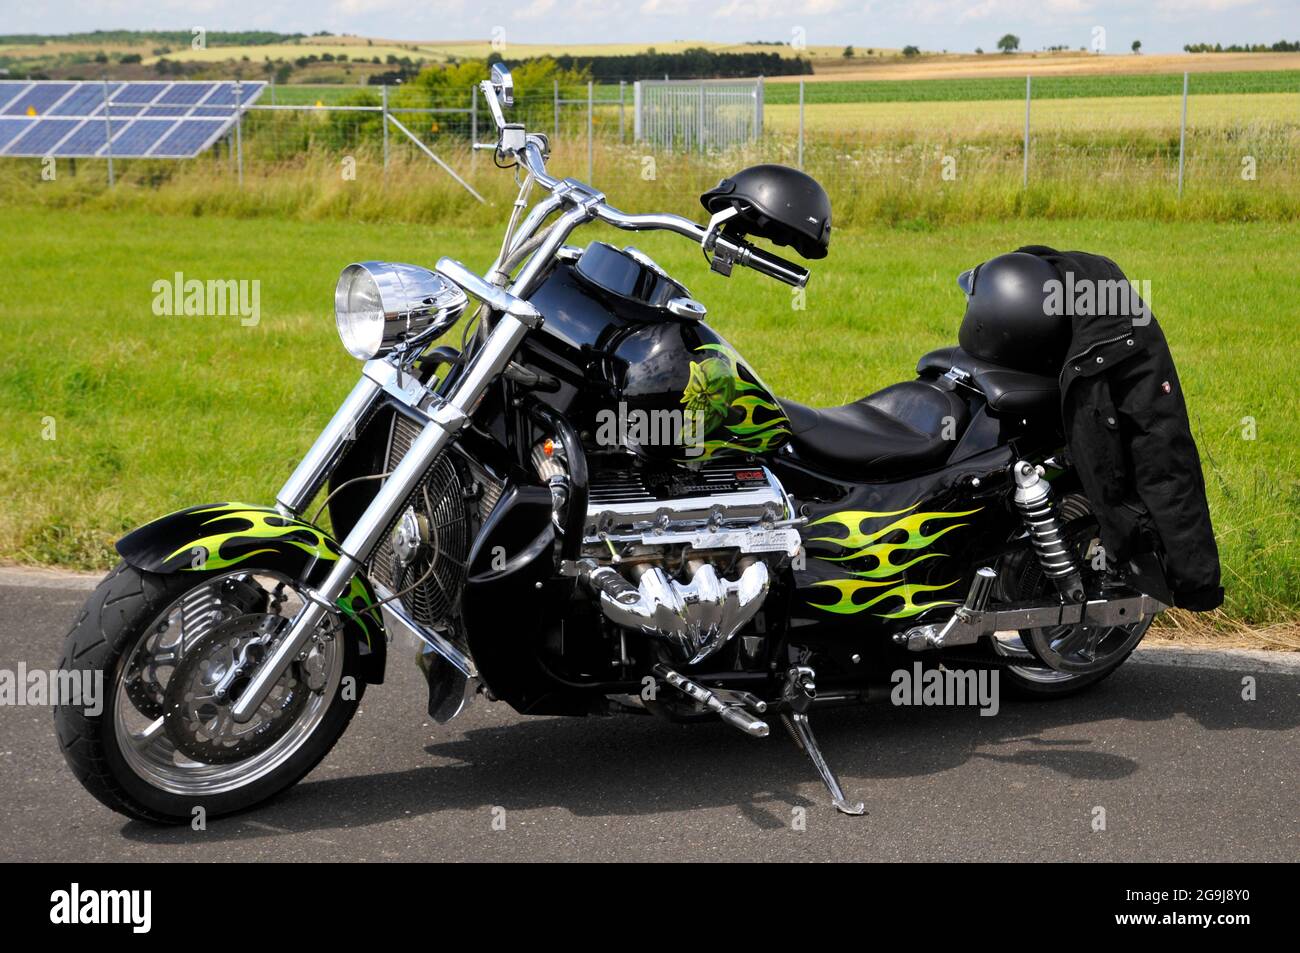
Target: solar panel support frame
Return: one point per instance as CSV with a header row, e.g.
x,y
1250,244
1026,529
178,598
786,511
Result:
x,y
108,133
239,130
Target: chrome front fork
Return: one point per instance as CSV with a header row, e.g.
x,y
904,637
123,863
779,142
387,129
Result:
x,y
446,418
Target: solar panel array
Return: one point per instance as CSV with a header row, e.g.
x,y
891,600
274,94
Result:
x,y
156,120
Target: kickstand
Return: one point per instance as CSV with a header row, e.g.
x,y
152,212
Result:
x,y
800,691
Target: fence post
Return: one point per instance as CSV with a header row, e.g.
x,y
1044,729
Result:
x,y
638,130
239,130
758,109
108,129
591,149
473,122
1028,96
622,120
272,89
383,120
1182,138
699,125
556,95
801,124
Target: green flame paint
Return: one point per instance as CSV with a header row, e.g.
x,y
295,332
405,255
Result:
x,y
267,523
884,573
263,523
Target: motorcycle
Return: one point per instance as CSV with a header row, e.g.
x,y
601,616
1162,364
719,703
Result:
x,y
594,505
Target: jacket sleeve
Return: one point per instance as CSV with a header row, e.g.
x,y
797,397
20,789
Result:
x,y
1167,469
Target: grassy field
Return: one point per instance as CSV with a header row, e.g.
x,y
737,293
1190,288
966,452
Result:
x,y
149,413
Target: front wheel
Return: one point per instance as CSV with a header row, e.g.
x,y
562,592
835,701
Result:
x,y
172,651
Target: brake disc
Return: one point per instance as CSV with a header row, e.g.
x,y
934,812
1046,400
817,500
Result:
x,y
154,661
198,719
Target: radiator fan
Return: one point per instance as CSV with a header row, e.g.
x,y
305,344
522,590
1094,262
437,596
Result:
x,y
423,557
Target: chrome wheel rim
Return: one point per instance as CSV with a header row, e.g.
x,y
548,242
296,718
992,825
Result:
x,y
142,737
1011,643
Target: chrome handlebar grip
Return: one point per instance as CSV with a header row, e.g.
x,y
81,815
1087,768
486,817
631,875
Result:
x,y
765,263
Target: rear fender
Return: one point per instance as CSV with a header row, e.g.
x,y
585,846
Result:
x,y
220,536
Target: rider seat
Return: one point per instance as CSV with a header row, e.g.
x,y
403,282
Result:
x,y
904,428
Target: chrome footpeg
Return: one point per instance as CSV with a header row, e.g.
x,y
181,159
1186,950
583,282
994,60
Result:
x,y
799,694
735,715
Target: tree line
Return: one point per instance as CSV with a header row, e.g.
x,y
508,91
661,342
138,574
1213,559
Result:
x,y
697,63
170,37
1281,46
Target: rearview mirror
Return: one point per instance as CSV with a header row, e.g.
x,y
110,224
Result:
x,y
503,83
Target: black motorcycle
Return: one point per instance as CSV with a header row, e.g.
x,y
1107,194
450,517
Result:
x,y
595,505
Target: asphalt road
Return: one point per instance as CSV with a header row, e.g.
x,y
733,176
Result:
x,y
1183,766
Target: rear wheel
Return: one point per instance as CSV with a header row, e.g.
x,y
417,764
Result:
x,y
173,651
1095,652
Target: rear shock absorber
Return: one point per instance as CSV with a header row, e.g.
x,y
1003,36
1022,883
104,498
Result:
x,y
1034,501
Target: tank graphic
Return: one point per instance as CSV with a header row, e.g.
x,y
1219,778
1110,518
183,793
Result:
x,y
728,407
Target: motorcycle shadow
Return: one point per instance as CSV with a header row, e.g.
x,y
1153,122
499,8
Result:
x,y
638,766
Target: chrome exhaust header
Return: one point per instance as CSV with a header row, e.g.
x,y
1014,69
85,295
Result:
x,y
694,618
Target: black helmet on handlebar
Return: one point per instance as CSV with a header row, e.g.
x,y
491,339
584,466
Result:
x,y
783,205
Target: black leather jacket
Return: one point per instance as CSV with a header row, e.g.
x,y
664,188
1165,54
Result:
x,y
1128,432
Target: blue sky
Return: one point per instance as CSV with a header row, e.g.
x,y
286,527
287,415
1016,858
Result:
x,y
958,25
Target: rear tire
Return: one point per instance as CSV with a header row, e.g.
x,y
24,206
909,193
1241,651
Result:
x,y
1022,579
110,628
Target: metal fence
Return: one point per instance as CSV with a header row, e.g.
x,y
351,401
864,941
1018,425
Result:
x,y
1178,127
845,133
698,116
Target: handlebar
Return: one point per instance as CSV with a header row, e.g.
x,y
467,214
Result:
x,y
528,151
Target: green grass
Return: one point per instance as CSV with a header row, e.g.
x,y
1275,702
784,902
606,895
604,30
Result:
x,y
1044,87
155,413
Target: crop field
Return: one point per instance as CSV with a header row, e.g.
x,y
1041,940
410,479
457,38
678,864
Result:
x,y
113,414
958,119
1085,86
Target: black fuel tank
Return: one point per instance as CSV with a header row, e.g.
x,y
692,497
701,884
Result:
x,y
662,386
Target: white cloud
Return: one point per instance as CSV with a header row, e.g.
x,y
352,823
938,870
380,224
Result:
x,y
536,10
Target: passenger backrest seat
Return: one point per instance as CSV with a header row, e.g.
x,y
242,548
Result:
x,y
1009,393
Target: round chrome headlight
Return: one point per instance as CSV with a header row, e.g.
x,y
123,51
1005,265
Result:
x,y
382,305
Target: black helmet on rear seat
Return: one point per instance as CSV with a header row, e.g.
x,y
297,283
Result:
x,y
1007,320
783,205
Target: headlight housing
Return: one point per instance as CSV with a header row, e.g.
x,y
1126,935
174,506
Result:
x,y
382,305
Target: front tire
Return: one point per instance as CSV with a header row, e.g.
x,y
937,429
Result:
x,y
121,634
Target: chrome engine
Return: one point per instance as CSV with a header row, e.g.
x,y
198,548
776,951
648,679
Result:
x,y
685,555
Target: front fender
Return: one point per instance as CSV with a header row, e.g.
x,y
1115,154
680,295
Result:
x,y
224,535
